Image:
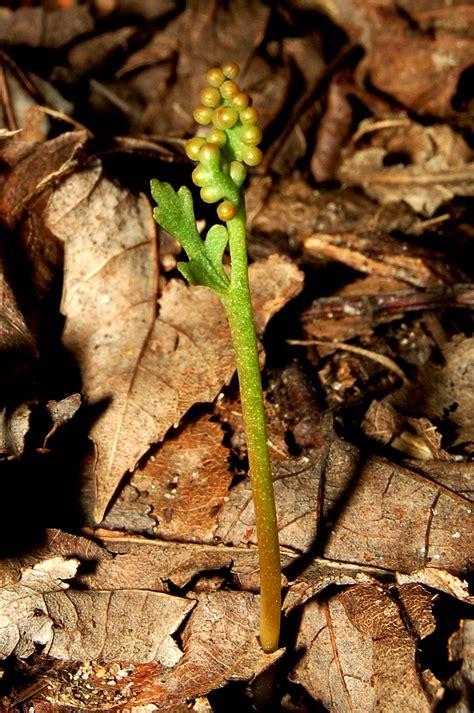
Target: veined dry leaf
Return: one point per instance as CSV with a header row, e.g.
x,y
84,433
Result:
x,y
220,645
24,617
380,255
109,300
347,505
424,187
358,656
184,483
145,374
40,27
122,625
437,579
417,602
461,648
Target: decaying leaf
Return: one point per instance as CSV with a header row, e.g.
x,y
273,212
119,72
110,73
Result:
x,y
358,655
444,392
128,625
439,580
461,648
121,625
13,429
14,333
419,67
35,167
338,501
185,483
24,617
61,412
381,255
109,300
424,187
416,437
220,645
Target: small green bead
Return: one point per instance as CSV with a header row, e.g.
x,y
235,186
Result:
x,y
224,117
249,115
252,155
240,101
251,134
203,114
229,89
210,97
199,176
209,154
230,70
215,76
238,172
217,137
211,194
226,211
192,147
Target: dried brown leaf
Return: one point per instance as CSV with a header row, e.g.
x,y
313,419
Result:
x,y
36,167
38,27
14,333
25,620
358,654
186,482
424,187
417,602
419,68
380,255
13,429
220,645
439,580
347,505
120,625
444,392
461,648
109,301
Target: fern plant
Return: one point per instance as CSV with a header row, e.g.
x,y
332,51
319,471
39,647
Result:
x,y
230,145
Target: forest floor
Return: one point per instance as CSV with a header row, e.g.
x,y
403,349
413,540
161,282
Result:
x,y
129,573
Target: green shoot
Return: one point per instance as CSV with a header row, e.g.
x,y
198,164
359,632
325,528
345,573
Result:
x,y
222,156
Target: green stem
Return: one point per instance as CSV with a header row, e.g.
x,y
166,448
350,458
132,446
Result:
x,y
238,306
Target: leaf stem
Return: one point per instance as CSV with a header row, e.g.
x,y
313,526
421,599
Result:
x,y
237,302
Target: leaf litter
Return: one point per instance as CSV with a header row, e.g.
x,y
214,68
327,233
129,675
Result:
x,y
359,240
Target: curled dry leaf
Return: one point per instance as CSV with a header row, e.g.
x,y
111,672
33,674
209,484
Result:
x,y
424,187
13,429
379,255
35,167
61,412
358,655
461,648
40,27
419,67
14,333
439,580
